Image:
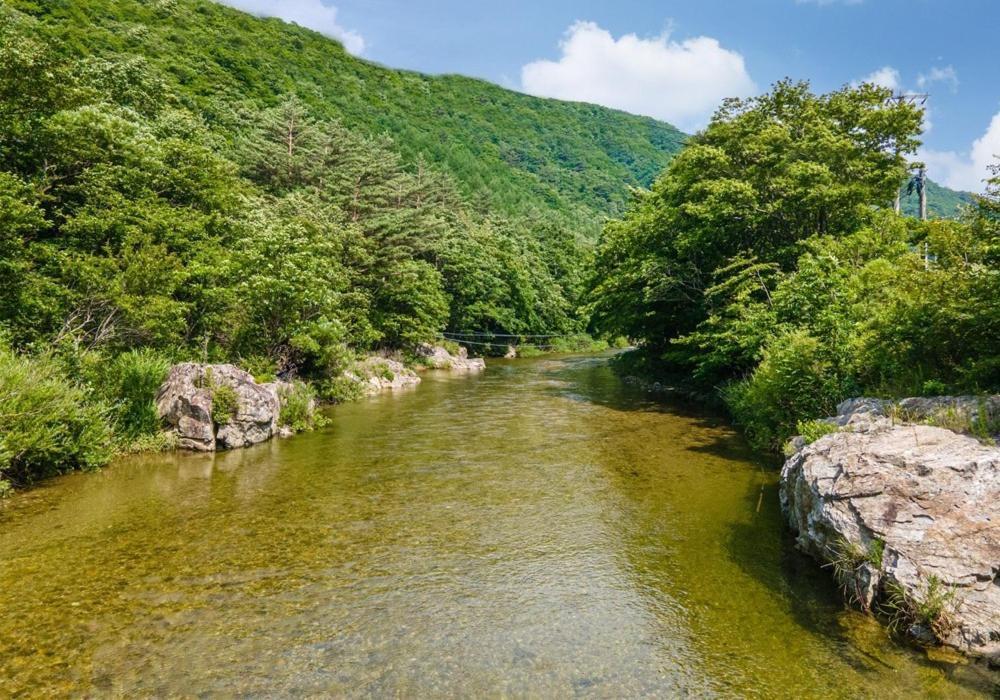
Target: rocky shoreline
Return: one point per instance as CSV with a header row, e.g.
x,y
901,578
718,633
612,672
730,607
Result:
x,y
209,407
906,513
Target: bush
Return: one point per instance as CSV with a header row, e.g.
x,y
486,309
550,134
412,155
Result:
x,y
793,382
225,403
130,384
339,390
48,424
298,408
813,430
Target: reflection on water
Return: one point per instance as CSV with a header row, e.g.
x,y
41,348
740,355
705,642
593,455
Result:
x,y
541,530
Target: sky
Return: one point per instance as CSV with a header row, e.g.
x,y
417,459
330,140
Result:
x,y
677,59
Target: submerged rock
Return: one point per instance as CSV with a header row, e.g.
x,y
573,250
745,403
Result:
x,y
437,357
908,516
187,399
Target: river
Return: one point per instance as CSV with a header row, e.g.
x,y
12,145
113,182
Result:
x,y
543,530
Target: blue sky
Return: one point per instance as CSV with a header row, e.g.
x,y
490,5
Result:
x,y
675,59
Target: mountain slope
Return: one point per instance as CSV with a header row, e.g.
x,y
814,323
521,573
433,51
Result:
x,y
509,152
520,154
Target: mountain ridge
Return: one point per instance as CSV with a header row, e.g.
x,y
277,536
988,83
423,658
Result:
x,y
509,151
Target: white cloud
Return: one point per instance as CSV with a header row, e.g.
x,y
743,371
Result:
x,y
886,76
680,82
946,75
306,13
966,171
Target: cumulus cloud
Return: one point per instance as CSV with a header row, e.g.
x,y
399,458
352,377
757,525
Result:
x,y
680,82
306,13
966,171
886,76
946,75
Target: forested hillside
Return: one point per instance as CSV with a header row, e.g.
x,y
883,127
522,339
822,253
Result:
x,y
508,152
141,226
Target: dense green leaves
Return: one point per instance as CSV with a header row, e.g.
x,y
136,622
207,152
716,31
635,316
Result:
x,y
143,221
767,264
509,153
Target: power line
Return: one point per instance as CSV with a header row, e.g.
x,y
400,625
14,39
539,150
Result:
x,y
506,335
491,345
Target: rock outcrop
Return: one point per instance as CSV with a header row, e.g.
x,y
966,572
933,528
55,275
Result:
x,y
187,401
437,357
908,515
376,374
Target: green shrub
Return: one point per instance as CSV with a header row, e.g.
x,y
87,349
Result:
x,y
933,387
225,403
339,390
813,430
298,408
48,424
263,368
794,382
130,384
451,346
932,609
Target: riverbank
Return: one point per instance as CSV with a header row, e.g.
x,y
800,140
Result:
x,y
857,498
76,409
540,528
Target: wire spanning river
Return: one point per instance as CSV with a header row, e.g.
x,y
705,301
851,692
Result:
x,y
542,530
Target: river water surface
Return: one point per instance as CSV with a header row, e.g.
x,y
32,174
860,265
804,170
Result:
x,y
543,530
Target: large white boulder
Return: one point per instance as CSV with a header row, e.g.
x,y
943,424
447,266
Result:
x,y
908,515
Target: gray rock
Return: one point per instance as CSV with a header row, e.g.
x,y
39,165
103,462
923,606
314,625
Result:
x,y
185,402
437,357
376,374
930,496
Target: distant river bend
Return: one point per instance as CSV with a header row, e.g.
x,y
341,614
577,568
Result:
x,y
540,530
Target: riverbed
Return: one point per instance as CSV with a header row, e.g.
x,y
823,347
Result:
x,y
541,530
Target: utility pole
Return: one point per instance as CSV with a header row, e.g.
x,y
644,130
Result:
x,y
922,192
913,98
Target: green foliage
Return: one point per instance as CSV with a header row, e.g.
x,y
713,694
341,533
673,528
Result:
x,y
129,385
142,208
48,424
766,264
225,403
509,152
932,609
813,430
298,408
794,379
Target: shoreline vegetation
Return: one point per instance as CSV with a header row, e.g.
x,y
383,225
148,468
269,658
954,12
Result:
x,y
315,244
145,223
766,270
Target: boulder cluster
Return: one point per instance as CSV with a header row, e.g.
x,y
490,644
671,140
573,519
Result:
x,y
189,401
220,407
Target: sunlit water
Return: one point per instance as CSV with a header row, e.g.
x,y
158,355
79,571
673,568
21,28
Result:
x,y
542,530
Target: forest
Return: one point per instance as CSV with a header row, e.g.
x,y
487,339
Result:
x,y
180,181
767,268
138,231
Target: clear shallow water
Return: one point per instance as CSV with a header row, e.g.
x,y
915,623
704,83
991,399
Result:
x,y
542,530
